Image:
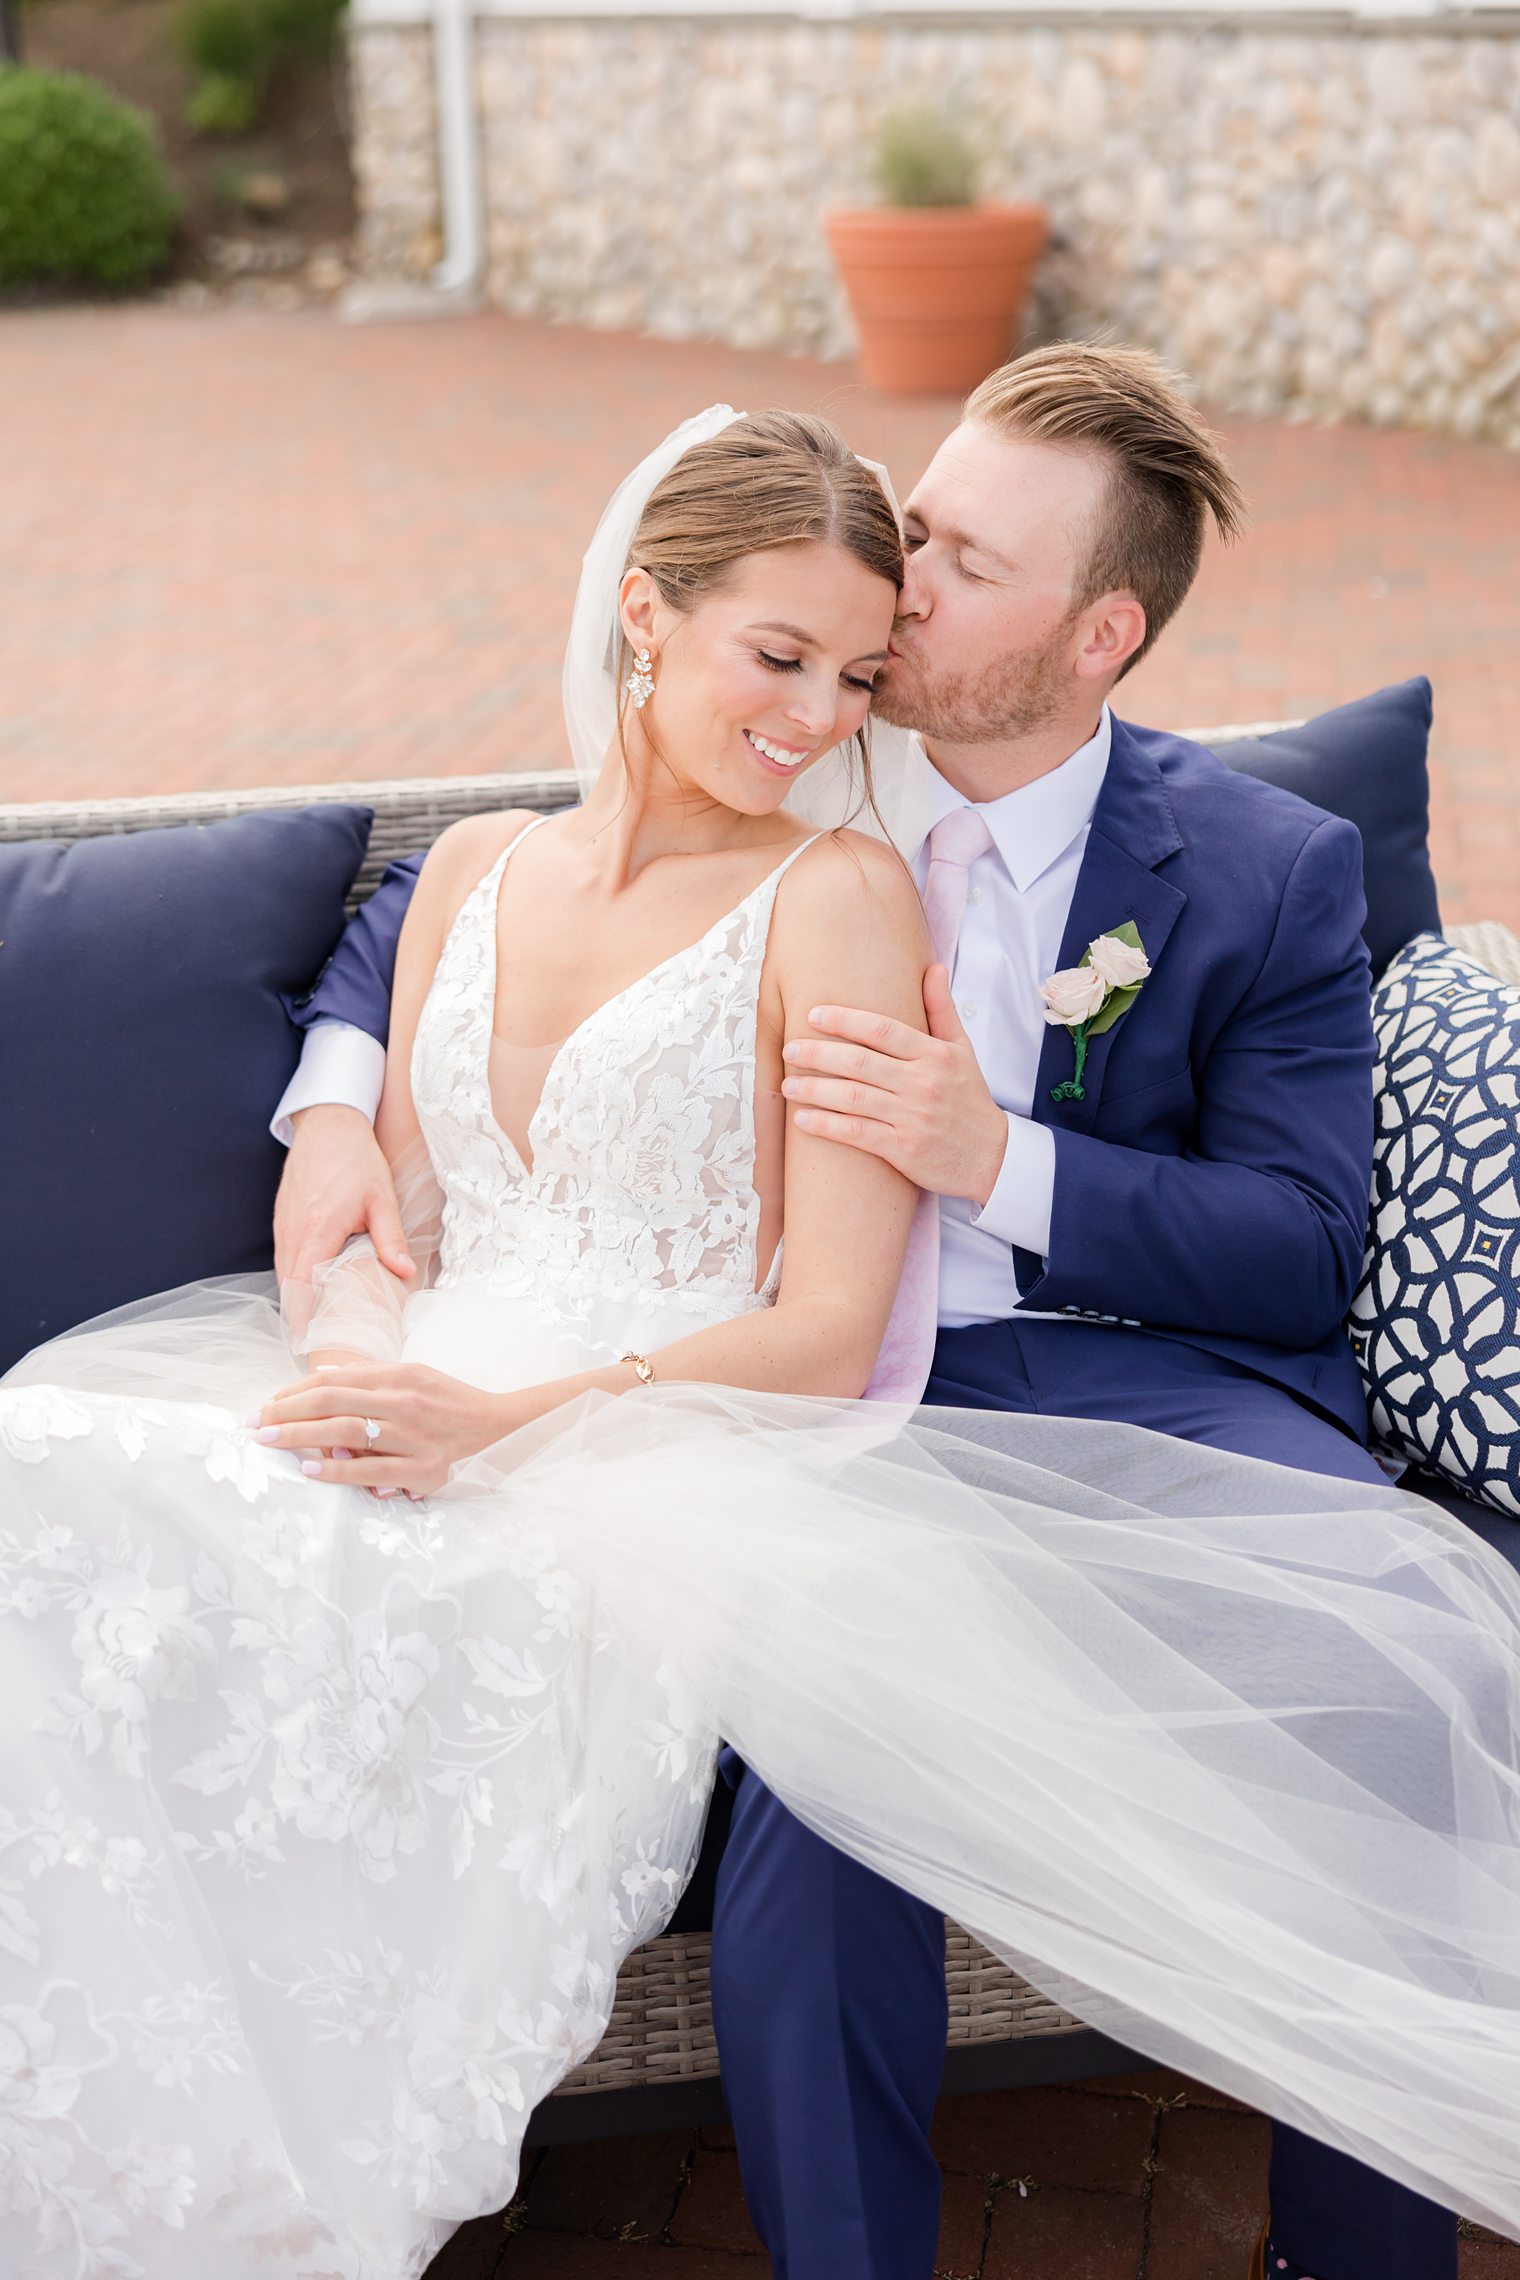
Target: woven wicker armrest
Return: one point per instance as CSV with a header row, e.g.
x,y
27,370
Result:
x,y
1491,945
409,815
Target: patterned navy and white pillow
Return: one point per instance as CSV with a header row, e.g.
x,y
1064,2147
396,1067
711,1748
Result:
x,y
1435,1324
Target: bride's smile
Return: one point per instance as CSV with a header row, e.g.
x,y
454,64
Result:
x,y
779,756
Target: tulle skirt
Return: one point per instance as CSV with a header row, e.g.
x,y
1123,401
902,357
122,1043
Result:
x,y
1222,1755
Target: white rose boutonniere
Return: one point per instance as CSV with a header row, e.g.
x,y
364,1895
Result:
x,y
1122,964
1091,997
1074,996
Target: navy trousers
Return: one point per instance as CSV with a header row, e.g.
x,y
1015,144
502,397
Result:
x,y
828,1983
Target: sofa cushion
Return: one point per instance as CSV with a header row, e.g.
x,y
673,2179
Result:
x,y
144,1045
1368,762
1435,1324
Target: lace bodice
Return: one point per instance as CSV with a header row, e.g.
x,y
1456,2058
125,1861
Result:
x,y
641,1189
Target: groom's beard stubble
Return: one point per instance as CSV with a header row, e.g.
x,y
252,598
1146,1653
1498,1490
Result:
x,y
1009,698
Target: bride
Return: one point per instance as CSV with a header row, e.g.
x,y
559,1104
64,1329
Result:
x,y
357,1727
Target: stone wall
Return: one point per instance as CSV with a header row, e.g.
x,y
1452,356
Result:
x,y
1314,220
395,150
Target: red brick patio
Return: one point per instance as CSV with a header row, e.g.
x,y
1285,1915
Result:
x,y
1144,2177
242,548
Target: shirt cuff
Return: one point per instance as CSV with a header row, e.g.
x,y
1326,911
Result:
x,y
341,1067
1019,1208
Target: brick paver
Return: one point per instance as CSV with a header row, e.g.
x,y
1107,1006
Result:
x,y
1047,2137
621,2188
1209,2192
241,548
1060,2234
560,2256
711,2211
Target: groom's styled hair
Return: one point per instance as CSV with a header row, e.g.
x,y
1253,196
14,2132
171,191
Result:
x,y
1168,472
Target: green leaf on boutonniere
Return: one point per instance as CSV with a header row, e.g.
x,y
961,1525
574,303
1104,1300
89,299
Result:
x,y
1119,1001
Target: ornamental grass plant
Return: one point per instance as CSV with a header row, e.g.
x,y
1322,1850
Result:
x,y
234,49
85,194
227,46
925,157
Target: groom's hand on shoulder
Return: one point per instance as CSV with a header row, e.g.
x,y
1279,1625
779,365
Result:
x,y
336,1183
919,1102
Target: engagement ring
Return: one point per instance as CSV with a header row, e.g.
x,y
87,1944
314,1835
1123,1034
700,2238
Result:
x,y
371,1432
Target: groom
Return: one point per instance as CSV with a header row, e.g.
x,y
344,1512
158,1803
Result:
x,y
1158,1221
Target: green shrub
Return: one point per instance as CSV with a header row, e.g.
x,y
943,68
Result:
x,y
226,39
222,105
302,30
924,157
228,46
84,192
235,47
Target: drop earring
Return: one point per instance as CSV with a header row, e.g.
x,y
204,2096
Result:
x,y
641,680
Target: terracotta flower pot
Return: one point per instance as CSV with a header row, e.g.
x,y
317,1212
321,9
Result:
x,y
936,291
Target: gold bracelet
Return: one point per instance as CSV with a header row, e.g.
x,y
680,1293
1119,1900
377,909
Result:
x,y
643,1367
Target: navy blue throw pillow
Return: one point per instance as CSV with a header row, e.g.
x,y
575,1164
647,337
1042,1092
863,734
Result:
x,y
1367,762
143,1046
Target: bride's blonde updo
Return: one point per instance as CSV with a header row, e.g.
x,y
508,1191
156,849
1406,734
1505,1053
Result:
x,y
769,479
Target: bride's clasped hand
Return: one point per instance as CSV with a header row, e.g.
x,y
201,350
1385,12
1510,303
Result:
x,y
400,1428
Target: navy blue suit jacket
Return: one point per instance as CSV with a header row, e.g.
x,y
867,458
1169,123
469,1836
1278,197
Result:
x,y
1212,1185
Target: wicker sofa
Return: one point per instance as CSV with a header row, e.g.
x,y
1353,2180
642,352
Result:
x,y
657,2067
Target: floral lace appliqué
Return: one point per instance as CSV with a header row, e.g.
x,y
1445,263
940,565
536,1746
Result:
x,y
642,1179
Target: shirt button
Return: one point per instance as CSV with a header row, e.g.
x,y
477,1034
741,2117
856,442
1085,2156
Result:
x,y
977,895
968,1009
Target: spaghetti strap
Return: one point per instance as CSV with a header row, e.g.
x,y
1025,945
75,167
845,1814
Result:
x,y
514,843
774,878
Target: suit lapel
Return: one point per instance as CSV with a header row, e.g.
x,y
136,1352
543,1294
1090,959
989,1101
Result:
x,y
1133,830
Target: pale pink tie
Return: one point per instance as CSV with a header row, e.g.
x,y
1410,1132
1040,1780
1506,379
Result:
x,y
907,1351
954,845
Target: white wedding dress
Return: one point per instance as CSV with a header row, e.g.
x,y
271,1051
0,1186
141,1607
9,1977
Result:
x,y
325,1823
